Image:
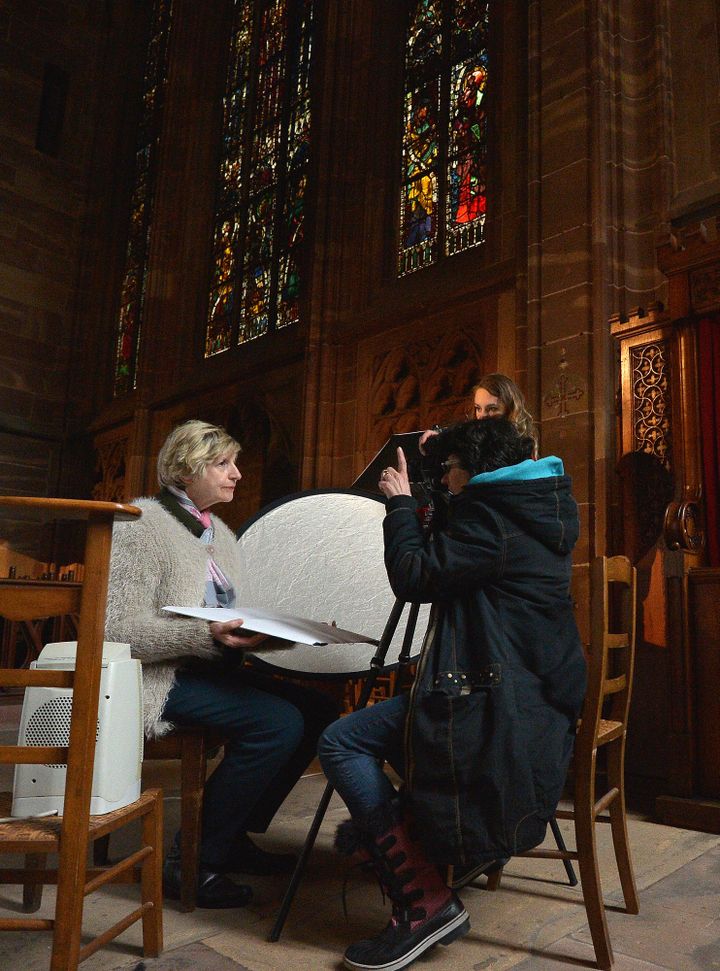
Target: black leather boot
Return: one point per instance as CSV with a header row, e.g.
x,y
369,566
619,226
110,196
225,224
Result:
x,y
215,891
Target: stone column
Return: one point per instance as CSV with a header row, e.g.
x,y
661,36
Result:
x,y
599,174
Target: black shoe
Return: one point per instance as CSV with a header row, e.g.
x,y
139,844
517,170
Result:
x,y
215,891
398,945
462,876
246,857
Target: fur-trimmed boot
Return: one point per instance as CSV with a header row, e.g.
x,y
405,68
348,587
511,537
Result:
x,y
425,911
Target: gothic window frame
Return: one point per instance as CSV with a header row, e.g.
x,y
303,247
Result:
x,y
230,268
448,67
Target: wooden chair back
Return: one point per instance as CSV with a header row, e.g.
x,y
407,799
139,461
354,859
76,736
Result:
x,y
28,600
603,725
612,655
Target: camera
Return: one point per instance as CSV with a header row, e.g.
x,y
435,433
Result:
x,y
425,473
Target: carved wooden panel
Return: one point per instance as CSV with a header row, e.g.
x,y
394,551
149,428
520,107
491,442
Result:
x,y
660,456
704,590
651,404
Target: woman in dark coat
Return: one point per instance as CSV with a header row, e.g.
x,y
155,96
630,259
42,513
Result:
x,y
484,738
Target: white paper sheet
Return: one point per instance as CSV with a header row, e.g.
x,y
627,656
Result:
x,y
285,626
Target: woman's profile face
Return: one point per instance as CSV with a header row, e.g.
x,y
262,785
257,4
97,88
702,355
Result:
x,y
487,405
216,484
455,477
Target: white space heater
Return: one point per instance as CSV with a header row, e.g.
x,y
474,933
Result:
x,y
45,720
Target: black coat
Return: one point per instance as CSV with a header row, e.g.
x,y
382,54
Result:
x,y
501,677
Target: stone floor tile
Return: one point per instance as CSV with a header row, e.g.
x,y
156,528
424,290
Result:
x,y
192,957
568,954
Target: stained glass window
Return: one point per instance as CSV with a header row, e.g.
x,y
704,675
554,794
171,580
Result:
x,y
132,292
260,209
443,192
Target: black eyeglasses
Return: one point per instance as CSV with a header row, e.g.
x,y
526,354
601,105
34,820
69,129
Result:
x,y
446,466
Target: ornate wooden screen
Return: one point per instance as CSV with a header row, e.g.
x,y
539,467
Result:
x,y
660,421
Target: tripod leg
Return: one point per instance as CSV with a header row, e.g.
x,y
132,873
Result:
x,y
404,656
378,660
300,865
572,878
375,668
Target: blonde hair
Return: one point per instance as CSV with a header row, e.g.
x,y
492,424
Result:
x,y
189,449
500,386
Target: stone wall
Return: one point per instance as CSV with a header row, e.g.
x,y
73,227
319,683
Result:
x,y
55,109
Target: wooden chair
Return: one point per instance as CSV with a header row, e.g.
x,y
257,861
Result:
x,y
70,835
193,747
603,726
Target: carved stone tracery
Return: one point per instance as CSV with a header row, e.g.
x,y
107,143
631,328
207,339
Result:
x,y
424,382
111,467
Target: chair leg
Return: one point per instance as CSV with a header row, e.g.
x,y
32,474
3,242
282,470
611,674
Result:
x,y
618,823
590,874
67,928
101,851
571,875
493,880
192,783
151,879
32,891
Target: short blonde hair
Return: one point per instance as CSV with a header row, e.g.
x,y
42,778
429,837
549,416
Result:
x,y
189,449
503,388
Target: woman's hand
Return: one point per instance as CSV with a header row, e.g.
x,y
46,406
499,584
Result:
x,y
395,482
227,633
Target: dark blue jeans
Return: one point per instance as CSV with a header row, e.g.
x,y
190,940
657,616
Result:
x,y
272,728
353,749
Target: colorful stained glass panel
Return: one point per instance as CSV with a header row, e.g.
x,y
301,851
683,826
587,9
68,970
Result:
x,y
419,223
443,195
264,174
289,291
221,302
424,42
421,128
132,290
467,175
469,28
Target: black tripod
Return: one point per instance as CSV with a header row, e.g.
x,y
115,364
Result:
x,y
376,666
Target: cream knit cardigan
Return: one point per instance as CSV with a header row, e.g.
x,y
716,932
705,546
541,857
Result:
x,y
157,562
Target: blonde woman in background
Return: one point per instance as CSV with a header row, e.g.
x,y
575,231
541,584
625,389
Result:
x,y
497,396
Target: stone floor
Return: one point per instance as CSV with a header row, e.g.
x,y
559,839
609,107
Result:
x,y
533,922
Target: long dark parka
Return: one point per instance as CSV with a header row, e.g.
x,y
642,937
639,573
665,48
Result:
x,y
501,677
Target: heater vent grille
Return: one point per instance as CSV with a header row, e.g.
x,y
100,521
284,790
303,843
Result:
x,y
49,724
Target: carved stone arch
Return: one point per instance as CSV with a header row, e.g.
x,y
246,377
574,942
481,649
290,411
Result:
x,y
421,383
111,449
395,394
453,371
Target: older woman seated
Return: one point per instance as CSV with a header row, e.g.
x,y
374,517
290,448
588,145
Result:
x,y
178,553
